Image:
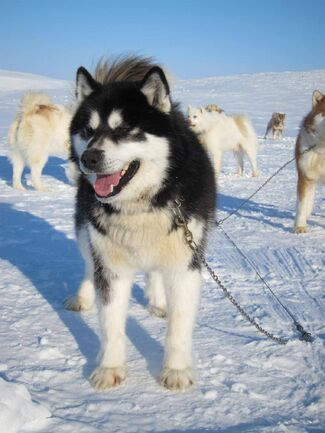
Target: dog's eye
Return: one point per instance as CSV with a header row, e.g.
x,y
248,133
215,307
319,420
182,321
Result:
x,y
194,117
88,130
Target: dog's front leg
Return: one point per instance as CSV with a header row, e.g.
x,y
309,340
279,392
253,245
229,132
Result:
x,y
113,296
183,293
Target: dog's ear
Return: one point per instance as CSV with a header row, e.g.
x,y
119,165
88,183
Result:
x,y
201,109
155,88
317,96
85,84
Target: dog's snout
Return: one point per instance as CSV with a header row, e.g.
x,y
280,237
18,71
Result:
x,y
92,159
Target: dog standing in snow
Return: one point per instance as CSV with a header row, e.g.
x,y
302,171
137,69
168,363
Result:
x,y
40,130
310,163
220,133
276,123
136,156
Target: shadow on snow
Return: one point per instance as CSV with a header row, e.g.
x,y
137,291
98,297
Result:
x,y
54,168
53,264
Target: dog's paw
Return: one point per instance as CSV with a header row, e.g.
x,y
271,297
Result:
x,y
77,303
177,380
19,187
160,312
255,173
107,377
301,229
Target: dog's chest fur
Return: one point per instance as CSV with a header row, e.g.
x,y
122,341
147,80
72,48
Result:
x,y
143,240
311,163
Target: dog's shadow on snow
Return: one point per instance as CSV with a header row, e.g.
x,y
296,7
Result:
x,y
53,264
54,168
264,213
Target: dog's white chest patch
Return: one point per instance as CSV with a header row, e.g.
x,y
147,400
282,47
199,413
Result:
x,y
143,242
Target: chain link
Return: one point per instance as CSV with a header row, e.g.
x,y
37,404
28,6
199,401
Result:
x,y
181,222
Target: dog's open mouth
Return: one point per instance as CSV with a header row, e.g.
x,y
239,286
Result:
x,y
108,185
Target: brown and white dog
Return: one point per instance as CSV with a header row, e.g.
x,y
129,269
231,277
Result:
x,y
276,123
310,163
214,107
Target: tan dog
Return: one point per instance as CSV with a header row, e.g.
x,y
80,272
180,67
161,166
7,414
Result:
x,y
276,123
40,130
310,163
213,107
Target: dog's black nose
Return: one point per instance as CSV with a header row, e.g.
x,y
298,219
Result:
x,y
92,159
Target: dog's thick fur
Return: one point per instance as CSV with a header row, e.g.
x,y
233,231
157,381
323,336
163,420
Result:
x,y
40,130
220,133
214,107
276,123
310,163
137,155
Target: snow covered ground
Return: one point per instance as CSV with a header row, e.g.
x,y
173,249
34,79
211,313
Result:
x,y
245,383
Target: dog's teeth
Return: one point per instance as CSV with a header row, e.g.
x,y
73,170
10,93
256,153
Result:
x,y
123,172
112,187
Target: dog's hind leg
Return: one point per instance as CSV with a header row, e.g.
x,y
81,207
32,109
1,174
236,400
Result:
x,y
37,165
18,166
155,293
238,154
267,131
183,293
84,299
251,151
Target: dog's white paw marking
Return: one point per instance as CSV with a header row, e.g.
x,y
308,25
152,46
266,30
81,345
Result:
x,y
107,377
177,380
160,312
77,303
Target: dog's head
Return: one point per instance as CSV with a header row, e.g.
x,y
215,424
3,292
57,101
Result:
x,y
315,121
119,135
196,118
278,119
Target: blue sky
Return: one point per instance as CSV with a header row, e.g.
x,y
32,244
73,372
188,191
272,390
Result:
x,y
193,38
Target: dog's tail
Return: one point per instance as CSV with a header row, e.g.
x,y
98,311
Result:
x,y
247,130
123,68
12,133
32,101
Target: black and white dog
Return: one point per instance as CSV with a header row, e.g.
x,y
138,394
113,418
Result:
x,y
136,156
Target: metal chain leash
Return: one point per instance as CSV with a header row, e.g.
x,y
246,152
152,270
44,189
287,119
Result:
x,y
181,222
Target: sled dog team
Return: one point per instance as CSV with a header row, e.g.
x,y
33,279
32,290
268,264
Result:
x,y
137,157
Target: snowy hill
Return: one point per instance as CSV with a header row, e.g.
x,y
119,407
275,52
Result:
x,y
11,81
245,383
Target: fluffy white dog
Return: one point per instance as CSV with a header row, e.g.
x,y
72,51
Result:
x,y
220,133
40,130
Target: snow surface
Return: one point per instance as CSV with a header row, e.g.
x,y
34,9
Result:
x,y
245,383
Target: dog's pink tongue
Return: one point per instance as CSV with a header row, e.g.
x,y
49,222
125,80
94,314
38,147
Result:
x,y
104,183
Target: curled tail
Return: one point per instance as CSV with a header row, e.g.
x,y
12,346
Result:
x,y
30,102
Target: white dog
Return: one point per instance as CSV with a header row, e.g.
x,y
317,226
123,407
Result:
x,y
220,133
310,163
40,130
